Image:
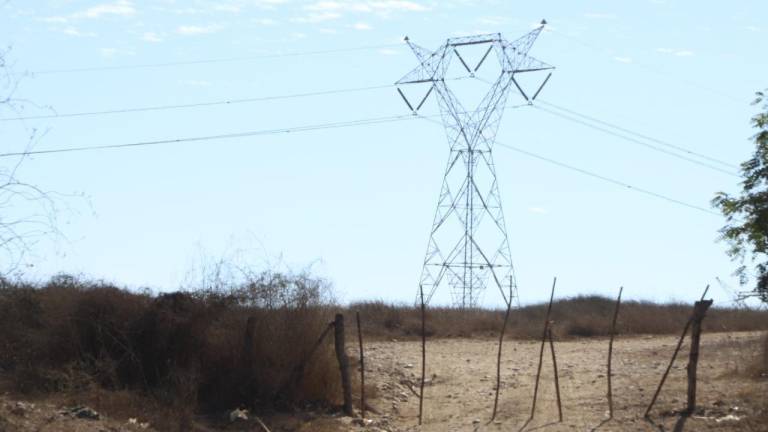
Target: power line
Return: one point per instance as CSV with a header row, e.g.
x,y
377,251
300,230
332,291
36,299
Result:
x,y
342,124
640,135
194,105
631,139
652,69
608,179
333,125
201,104
637,141
215,60
599,176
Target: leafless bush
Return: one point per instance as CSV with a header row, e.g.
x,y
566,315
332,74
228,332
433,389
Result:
x,y
28,213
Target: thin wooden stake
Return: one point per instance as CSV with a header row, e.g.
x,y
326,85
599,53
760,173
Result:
x,y
498,359
541,351
341,356
610,353
672,361
557,379
423,353
362,366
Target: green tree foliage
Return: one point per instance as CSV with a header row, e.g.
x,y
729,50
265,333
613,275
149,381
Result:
x,y
746,228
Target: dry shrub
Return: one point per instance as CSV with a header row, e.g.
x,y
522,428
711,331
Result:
x,y
204,350
583,316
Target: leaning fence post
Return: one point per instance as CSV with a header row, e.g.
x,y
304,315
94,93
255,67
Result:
x,y
341,355
699,310
672,361
610,353
297,373
541,351
362,366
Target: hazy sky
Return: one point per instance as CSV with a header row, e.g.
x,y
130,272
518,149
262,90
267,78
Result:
x,y
356,203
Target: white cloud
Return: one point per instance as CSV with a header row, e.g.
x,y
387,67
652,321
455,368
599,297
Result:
x,y
123,8
74,31
264,21
596,15
361,26
538,210
119,8
317,17
623,59
193,30
151,37
227,8
752,28
269,4
676,52
378,6
388,51
328,30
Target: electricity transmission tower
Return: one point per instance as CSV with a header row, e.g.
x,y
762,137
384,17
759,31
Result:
x,y
468,245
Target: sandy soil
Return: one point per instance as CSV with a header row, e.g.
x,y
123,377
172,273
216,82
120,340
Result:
x,y
461,382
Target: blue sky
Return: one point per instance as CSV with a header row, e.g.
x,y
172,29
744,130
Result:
x,y
356,203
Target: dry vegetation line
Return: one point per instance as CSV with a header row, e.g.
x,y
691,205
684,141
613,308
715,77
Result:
x,y
228,350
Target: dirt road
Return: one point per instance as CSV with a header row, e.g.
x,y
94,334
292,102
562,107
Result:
x,y
461,382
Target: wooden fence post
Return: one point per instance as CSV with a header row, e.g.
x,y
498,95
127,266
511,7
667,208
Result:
x,y
610,354
341,355
362,366
557,378
541,351
699,310
498,359
423,352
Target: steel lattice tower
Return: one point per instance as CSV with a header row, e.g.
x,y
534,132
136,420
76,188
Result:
x,y
468,245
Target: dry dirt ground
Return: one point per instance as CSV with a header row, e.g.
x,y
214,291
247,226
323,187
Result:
x,y
461,382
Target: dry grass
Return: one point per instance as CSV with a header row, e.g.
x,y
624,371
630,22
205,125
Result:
x,y
185,353
584,316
